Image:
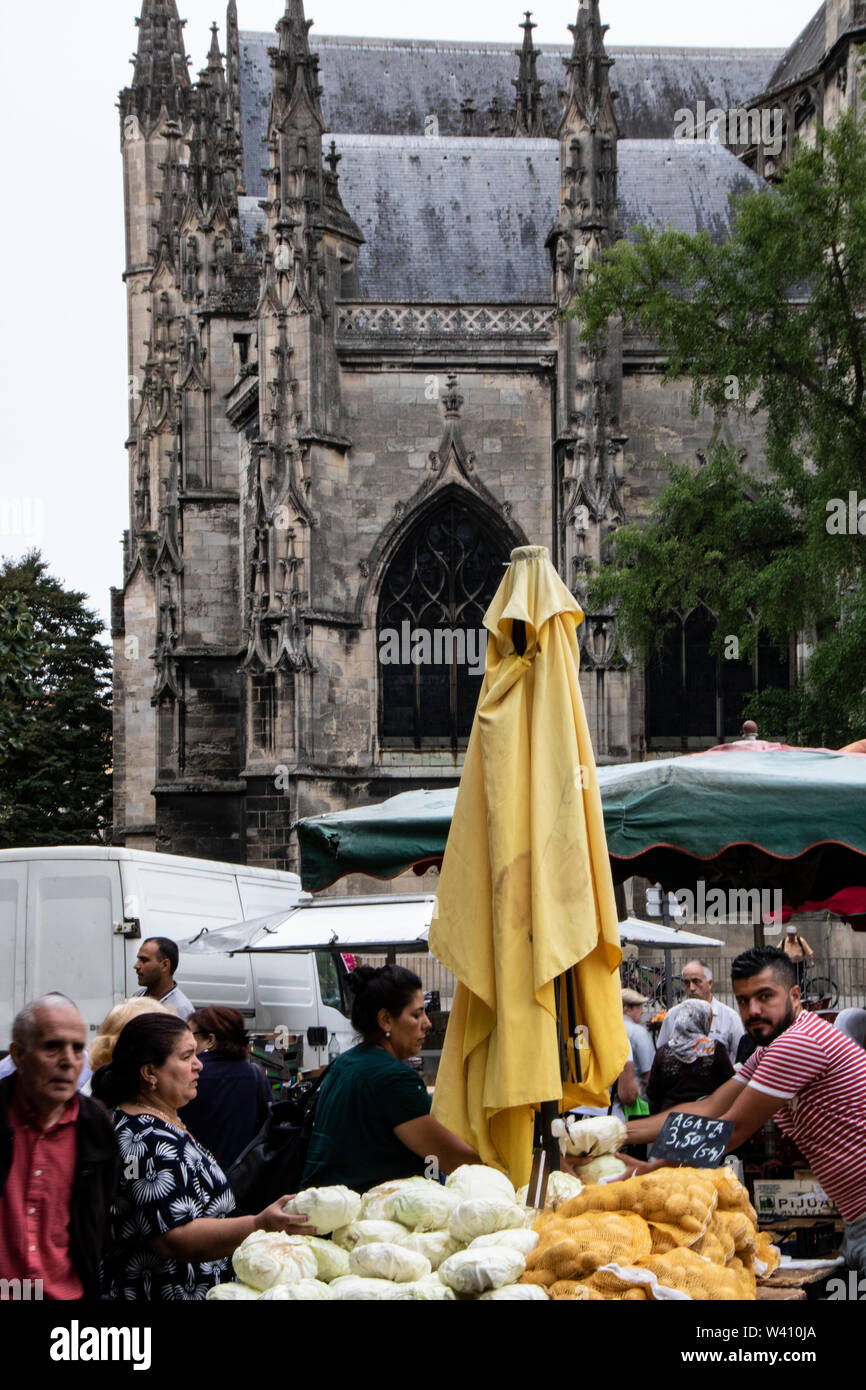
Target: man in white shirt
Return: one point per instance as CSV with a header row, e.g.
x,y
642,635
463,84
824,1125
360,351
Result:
x,y
726,1027
155,965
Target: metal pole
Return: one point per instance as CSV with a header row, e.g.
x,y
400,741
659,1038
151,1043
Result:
x,y
549,1110
669,979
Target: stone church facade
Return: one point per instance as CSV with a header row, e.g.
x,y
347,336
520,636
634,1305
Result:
x,y
352,393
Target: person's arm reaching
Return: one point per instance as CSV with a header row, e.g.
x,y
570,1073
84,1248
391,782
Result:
x,y
215,1237
645,1130
748,1108
427,1138
626,1086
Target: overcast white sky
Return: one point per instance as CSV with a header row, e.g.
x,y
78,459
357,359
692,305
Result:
x,y
63,370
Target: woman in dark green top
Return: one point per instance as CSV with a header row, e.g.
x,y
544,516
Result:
x,y
373,1120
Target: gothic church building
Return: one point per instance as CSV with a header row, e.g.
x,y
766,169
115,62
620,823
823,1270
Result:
x,y
352,393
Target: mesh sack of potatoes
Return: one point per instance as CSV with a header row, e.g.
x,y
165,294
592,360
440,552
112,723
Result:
x,y
543,1277
731,1194
571,1291
702,1279
589,1241
739,1228
715,1244
677,1197
611,1284
766,1256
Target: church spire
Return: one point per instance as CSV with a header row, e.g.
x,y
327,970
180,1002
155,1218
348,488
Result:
x,y
588,67
528,115
161,77
233,82
295,68
215,57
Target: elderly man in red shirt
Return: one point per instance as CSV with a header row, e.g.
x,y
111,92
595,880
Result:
x,y
59,1158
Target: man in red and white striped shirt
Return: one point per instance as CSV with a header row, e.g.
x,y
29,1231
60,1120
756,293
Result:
x,y
806,1074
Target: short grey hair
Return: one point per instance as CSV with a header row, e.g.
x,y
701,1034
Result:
x,y
703,964
24,1025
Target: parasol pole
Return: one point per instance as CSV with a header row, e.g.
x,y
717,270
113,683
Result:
x,y
545,1158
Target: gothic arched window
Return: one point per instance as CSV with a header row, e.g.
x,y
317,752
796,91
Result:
x,y
695,697
430,641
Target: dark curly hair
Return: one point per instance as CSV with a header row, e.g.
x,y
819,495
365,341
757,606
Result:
x,y
759,958
390,987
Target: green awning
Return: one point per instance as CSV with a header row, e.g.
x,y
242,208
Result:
x,y
748,812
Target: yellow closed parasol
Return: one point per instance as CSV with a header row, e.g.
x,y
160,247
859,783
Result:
x,y
525,916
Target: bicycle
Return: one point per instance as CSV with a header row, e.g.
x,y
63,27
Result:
x,y
815,988
650,980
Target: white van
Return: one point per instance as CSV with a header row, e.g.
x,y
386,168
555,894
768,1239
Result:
x,y
72,919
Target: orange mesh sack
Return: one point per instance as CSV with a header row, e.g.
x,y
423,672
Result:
x,y
594,1239
701,1279
717,1243
739,1228
731,1194
680,1198
665,1238
766,1257
569,1291
745,1277
543,1277
614,1283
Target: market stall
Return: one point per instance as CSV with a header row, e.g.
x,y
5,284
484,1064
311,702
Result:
x,y
747,815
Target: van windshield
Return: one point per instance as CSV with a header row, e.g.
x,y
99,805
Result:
x,y
331,975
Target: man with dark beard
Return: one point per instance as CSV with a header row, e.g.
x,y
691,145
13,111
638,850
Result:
x,y
806,1074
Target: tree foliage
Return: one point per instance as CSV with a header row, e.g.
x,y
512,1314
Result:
x,y
770,322
55,712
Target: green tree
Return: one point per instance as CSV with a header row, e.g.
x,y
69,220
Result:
x,y
55,712
21,654
770,322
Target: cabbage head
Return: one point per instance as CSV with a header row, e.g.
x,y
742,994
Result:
x,y
227,1293
304,1291
519,1239
394,1262
435,1246
480,1216
429,1290
326,1208
605,1167
600,1134
561,1187
331,1260
374,1202
266,1258
354,1289
477,1180
363,1232
424,1208
476,1271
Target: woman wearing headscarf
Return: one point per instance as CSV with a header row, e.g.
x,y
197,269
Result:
x,y
689,1065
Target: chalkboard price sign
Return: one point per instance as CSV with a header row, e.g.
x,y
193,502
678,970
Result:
x,y
695,1140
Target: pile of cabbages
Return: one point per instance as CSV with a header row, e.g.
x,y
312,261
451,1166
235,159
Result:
x,y
412,1239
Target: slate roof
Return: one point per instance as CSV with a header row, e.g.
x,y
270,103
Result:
x,y
805,53
466,219
388,86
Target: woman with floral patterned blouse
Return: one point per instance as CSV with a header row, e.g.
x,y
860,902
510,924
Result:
x,y
172,1228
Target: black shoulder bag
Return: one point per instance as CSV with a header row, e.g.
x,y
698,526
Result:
x,y
272,1165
